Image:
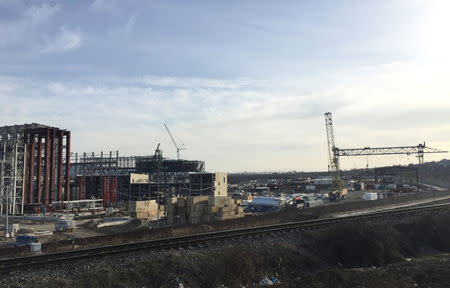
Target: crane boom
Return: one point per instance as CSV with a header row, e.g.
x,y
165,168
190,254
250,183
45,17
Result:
x,y
407,150
181,147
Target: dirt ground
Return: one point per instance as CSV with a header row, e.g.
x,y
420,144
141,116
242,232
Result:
x,y
412,252
87,235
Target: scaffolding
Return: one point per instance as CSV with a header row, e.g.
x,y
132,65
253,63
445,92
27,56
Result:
x,y
32,160
12,170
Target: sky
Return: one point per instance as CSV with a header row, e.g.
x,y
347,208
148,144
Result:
x,y
243,84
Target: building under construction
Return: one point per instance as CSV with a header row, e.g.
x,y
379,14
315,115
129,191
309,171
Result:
x,y
33,161
114,178
403,175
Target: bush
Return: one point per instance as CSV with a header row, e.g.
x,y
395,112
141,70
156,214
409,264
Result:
x,y
359,245
432,231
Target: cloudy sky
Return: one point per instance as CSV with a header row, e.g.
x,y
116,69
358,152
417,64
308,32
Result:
x,y
243,84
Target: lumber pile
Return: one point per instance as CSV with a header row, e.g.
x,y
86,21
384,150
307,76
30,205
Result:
x,y
144,209
202,209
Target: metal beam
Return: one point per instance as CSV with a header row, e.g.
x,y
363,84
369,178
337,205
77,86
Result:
x,y
407,150
67,176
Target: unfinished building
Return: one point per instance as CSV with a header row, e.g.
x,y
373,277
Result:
x,y
113,177
33,159
204,183
402,175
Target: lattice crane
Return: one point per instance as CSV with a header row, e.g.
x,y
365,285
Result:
x,y
334,153
180,147
333,156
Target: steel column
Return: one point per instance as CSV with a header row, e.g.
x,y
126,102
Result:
x,y
31,167
47,168
52,164
60,164
67,180
39,168
25,160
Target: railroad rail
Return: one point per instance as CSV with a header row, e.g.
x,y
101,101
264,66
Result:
x,y
18,263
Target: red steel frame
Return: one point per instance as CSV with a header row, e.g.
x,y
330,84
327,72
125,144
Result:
x,y
39,167
60,164
67,176
47,164
52,164
40,171
31,170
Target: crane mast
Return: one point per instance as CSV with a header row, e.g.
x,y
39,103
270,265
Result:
x,y
333,156
181,147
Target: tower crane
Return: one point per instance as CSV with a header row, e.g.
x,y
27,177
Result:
x,y
333,156
334,153
179,148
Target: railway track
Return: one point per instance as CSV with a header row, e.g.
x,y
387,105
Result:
x,y
13,264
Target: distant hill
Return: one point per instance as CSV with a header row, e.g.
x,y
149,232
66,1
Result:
x,y
435,172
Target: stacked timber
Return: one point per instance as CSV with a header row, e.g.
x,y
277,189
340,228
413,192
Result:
x,y
202,209
181,208
172,210
228,209
143,209
194,208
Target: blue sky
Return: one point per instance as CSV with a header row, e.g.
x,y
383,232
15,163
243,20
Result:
x,y
244,84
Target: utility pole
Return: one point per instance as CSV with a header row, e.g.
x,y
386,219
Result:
x,y
157,199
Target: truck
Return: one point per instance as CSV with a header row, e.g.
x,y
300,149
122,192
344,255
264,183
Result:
x,y
338,195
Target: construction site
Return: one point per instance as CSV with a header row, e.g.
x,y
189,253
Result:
x,y
54,201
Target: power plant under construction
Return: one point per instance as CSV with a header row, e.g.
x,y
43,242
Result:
x,y
40,173
39,170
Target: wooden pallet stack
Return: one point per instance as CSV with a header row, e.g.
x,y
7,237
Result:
x,y
228,209
195,208
181,209
172,210
143,209
202,209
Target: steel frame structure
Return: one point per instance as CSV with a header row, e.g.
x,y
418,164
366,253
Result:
x,y
31,169
91,164
12,170
401,174
88,168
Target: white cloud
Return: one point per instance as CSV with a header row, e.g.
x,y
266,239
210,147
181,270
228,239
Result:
x,y
40,14
130,24
65,41
109,6
243,125
26,27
